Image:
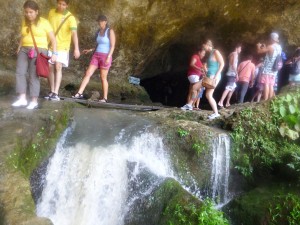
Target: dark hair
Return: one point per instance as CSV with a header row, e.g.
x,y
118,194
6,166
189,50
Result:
x,y
200,49
34,6
66,1
102,18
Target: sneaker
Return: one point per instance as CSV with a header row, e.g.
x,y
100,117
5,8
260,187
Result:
x,y
32,105
54,97
187,107
49,95
20,102
213,116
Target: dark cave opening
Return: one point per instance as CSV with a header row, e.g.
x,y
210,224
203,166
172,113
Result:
x,y
170,88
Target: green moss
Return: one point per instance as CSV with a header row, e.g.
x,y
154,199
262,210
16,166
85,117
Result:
x,y
27,155
261,204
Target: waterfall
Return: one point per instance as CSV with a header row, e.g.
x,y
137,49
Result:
x,y
87,179
220,169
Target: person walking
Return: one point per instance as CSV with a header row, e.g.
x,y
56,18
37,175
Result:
x,y
246,77
231,76
294,68
32,26
195,74
102,57
65,27
272,50
215,65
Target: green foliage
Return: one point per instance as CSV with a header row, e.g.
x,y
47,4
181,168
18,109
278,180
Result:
x,y
182,132
199,147
267,135
286,113
193,215
285,209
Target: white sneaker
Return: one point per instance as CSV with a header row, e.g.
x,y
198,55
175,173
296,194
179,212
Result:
x,y
187,107
32,105
213,116
20,102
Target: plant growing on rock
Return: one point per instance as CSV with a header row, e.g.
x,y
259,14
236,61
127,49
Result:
x,y
193,215
267,135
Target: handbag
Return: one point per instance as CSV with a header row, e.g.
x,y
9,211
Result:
x,y
208,83
41,63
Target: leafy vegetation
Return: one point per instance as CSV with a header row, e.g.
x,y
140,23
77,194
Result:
x,y
285,209
268,135
191,214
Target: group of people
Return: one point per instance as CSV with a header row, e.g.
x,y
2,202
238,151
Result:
x,y
61,30
240,76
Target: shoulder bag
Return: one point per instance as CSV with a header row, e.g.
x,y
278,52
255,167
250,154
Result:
x,y
42,65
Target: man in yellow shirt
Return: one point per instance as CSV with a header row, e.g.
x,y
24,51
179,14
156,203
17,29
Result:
x,y
64,34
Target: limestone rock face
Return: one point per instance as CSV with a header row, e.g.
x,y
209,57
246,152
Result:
x,y
156,36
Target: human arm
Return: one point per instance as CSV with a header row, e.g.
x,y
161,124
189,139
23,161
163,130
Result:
x,y
52,39
261,49
252,77
112,39
76,45
20,45
220,60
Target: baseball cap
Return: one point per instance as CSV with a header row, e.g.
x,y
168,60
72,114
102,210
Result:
x,y
274,36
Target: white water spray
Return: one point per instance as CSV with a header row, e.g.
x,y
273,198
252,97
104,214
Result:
x,y
220,169
88,185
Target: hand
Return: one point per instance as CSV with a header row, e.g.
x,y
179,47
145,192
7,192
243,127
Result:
x,y
53,58
18,50
85,51
76,54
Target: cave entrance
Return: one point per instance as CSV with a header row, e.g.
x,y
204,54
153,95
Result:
x,y
171,87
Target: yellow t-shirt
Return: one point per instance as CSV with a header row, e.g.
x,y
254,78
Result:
x,y
63,38
40,33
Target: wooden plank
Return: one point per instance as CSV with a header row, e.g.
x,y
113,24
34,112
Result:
x,y
110,105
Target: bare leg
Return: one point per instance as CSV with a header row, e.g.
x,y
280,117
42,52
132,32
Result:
x,y
211,100
194,92
90,71
51,78
58,76
224,95
103,76
266,92
228,98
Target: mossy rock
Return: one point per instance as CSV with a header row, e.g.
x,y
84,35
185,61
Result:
x,y
152,208
254,207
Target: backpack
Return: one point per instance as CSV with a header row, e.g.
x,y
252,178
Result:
x,y
295,67
277,63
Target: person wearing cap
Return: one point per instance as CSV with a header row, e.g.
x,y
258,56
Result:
x,y
101,58
272,50
64,25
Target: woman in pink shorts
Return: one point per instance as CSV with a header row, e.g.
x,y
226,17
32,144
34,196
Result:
x,y
101,59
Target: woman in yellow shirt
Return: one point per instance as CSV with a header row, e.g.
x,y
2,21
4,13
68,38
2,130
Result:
x,y
41,30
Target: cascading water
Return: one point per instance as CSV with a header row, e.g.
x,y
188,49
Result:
x,y
220,169
88,177
106,161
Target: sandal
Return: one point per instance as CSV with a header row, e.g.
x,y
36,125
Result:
x,y
103,100
78,96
